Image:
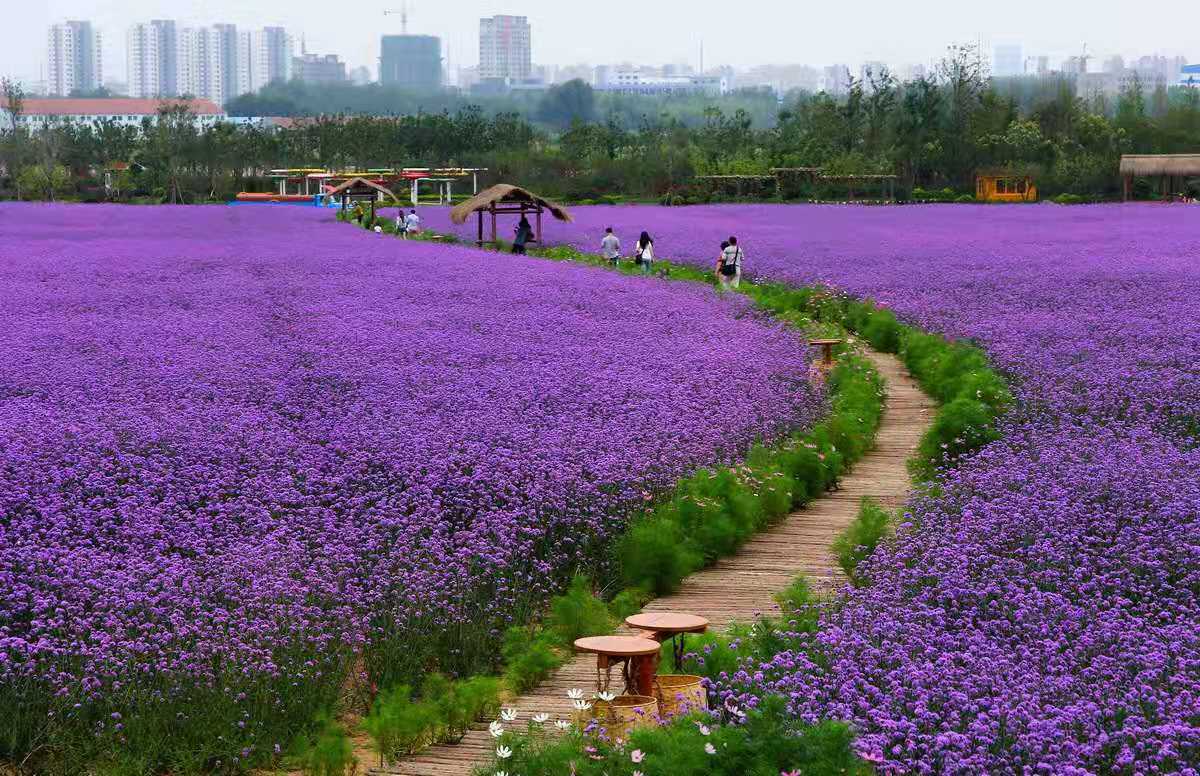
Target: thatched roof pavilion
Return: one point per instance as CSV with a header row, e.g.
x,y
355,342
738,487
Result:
x,y
506,199
1167,167
361,190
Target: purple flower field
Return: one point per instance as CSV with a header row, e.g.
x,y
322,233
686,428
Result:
x,y
244,451
1042,613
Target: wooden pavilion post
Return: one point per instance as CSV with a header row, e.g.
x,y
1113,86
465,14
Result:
x,y
492,207
539,225
480,240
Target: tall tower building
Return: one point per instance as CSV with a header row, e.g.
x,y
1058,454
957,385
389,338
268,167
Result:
x,y
153,57
505,50
274,51
74,58
411,62
228,51
215,63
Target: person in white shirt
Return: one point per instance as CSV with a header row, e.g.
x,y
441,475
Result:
x,y
730,271
610,246
412,223
401,225
643,255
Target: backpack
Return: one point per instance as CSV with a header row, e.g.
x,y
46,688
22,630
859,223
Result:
x,y
728,263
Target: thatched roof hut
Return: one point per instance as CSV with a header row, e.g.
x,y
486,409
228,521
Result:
x,y
506,199
1166,167
1153,165
505,194
361,188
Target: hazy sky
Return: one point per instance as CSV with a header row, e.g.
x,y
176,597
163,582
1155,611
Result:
x,y
737,32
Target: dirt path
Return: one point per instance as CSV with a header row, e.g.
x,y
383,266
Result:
x,y
740,587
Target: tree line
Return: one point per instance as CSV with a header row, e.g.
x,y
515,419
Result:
x,y
935,132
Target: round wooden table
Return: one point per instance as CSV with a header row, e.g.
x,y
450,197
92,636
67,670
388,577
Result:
x,y
668,625
827,346
638,658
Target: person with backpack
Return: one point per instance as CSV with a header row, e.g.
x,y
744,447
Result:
x,y
730,270
412,223
524,234
610,247
643,255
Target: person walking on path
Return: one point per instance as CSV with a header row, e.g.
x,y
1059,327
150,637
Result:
x,y
720,259
412,223
730,271
401,225
524,232
643,256
610,246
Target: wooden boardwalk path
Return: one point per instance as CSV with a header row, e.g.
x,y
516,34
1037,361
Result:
x,y
740,587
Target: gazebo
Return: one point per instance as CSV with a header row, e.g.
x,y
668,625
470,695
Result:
x,y
1166,167
505,199
361,190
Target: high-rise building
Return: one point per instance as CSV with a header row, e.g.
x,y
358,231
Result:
x,y
411,61
273,56
228,53
504,48
74,59
152,52
1008,60
316,69
215,63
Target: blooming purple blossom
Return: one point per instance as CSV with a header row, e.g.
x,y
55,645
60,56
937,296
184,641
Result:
x,y
239,446
1039,614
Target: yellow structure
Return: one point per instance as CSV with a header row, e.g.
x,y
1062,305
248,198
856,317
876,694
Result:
x,y
1005,188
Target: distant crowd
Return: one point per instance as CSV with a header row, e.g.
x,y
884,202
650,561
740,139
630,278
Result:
x,y
728,269
729,260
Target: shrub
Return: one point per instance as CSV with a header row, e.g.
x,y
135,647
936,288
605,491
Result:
x,y
960,427
402,725
654,557
882,330
627,602
799,609
861,537
326,752
399,725
529,657
767,743
578,613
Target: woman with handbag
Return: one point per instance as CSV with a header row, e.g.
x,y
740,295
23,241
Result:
x,y
643,255
730,271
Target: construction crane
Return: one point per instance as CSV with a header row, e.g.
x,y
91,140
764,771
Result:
x,y
403,13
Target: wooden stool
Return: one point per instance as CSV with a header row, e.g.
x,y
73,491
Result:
x,y
668,625
826,346
638,658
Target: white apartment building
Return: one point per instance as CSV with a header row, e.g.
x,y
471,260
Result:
x,y
37,113
153,59
74,58
505,50
215,63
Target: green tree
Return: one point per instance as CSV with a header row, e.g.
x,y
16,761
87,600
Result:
x,y
566,103
169,140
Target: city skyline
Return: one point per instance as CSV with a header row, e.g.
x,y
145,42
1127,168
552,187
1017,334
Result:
x,y
563,37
